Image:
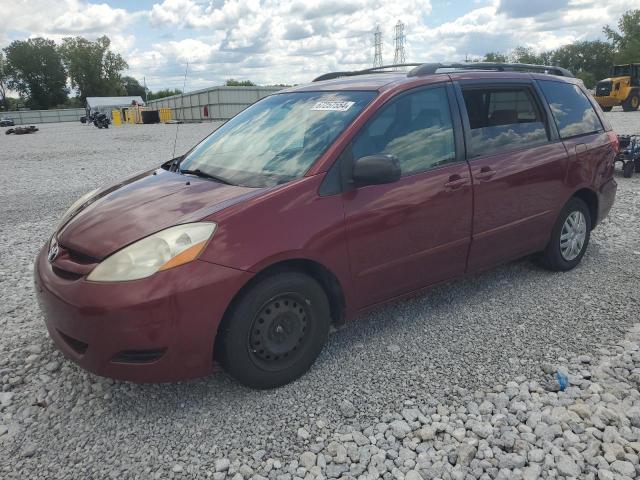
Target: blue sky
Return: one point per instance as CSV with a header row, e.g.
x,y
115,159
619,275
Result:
x,y
272,41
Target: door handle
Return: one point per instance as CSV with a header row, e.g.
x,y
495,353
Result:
x,y
485,174
580,148
455,182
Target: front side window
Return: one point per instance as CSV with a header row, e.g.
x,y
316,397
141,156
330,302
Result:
x,y
571,109
503,119
416,128
276,139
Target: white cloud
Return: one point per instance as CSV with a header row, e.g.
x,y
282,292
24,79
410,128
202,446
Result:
x,y
277,41
61,16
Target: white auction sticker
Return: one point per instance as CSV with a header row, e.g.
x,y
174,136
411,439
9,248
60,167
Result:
x,y
332,106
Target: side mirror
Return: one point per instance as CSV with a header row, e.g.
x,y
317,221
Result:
x,y
376,170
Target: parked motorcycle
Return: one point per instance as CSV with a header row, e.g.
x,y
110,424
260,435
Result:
x,y
101,120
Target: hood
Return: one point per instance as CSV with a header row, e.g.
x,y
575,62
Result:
x,y
142,205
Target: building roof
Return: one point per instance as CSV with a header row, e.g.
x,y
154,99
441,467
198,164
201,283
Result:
x,y
98,102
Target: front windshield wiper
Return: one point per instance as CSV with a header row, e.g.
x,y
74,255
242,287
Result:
x,y
199,173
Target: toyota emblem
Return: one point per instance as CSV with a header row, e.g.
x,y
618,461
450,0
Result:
x,y
53,251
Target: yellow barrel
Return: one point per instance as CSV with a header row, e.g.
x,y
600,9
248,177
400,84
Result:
x,y
165,114
117,118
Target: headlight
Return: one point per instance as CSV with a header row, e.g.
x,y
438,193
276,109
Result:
x,y
162,250
72,209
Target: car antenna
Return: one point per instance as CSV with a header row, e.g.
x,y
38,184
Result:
x,y
184,86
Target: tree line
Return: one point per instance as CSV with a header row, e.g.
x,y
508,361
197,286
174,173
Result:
x,y
590,61
41,71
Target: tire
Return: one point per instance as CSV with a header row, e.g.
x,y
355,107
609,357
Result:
x,y
606,109
636,164
627,169
274,331
632,102
554,257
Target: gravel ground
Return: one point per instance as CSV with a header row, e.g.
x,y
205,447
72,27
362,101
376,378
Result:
x,y
381,381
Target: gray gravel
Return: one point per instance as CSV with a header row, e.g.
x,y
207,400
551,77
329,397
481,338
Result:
x,y
398,366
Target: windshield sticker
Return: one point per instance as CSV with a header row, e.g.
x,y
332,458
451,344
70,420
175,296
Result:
x,y
332,106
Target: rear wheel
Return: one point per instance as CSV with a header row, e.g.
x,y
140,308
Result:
x,y
627,169
636,163
632,102
275,331
569,238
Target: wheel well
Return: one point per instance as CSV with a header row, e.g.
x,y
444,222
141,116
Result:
x,y
591,199
315,270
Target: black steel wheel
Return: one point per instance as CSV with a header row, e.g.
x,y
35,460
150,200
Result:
x,y
274,330
279,332
627,169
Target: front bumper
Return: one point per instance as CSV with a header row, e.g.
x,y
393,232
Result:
x,y
157,329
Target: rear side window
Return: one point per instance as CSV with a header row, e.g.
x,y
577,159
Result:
x,y
416,128
503,119
571,109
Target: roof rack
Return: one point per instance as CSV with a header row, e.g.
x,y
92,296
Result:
x,y
381,69
431,68
422,69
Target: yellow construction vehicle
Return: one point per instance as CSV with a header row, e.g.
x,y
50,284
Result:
x,y
622,88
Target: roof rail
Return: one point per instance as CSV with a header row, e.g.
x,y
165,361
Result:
x,y
381,69
431,68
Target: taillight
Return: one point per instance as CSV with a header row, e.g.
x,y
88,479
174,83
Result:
x,y
613,138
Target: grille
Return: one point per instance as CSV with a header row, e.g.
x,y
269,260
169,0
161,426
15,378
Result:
x,y
603,89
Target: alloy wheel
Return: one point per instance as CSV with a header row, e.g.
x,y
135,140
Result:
x,y
573,235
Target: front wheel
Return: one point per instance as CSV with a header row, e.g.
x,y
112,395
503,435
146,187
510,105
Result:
x,y
606,109
569,238
628,168
275,330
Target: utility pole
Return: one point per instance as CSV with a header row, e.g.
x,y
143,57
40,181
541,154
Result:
x,y
144,80
377,42
399,56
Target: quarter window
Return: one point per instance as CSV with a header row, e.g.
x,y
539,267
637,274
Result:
x,y
503,119
416,128
571,109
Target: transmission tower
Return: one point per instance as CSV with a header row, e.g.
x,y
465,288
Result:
x,y
377,42
398,57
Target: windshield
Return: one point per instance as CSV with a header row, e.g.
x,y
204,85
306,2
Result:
x,y
620,71
276,139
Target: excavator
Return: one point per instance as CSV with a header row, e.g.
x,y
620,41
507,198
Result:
x,y
621,88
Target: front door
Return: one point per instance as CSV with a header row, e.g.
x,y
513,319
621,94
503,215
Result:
x,y
414,232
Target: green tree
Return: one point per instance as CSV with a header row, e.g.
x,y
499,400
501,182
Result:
x,y
239,83
627,39
94,70
35,70
132,87
495,57
588,60
163,93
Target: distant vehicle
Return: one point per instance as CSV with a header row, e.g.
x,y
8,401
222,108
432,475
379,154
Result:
x,y
317,203
621,88
6,122
99,119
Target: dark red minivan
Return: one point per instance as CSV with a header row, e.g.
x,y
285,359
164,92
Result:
x,y
316,203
